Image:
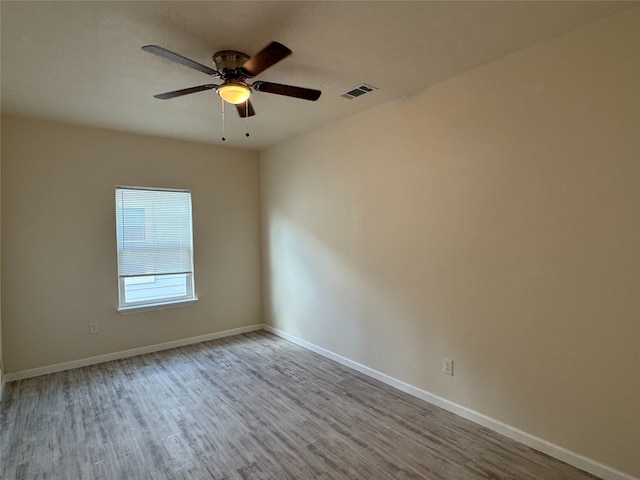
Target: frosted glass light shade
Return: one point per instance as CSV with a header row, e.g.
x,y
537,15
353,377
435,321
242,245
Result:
x,y
234,94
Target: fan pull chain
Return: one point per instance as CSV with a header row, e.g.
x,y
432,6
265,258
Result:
x,y
246,116
222,101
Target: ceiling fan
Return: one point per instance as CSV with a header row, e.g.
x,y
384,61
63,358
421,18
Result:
x,y
234,69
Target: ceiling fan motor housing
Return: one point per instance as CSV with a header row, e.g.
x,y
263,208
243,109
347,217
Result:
x,y
229,60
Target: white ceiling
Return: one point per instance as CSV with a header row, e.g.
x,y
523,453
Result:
x,y
81,62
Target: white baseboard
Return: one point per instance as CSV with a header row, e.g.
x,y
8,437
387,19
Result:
x,y
579,461
35,372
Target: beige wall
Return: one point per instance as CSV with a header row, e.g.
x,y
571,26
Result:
x,y
492,219
59,268
1,351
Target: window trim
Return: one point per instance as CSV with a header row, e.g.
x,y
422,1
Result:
x,y
127,308
149,307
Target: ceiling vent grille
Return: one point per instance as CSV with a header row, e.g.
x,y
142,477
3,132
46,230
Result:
x,y
358,91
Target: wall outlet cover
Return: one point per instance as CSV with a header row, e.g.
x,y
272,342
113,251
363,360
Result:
x,y
447,366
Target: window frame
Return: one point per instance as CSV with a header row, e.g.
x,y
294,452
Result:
x,y
189,298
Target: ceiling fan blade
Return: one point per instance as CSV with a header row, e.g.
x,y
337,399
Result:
x,y
245,109
288,90
174,57
184,91
269,55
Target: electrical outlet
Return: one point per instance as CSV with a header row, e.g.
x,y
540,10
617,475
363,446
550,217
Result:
x,y
277,307
93,329
447,366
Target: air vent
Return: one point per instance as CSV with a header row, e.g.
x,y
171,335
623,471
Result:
x,y
358,91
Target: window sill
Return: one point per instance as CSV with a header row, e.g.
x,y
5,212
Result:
x,y
155,306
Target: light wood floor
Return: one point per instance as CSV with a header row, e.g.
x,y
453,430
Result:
x,y
247,407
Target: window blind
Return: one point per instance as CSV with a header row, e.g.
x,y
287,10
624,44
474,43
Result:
x,y
154,232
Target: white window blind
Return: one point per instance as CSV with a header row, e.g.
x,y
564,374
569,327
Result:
x,y
155,246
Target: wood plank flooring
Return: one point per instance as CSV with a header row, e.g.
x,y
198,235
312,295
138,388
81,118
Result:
x,y
250,407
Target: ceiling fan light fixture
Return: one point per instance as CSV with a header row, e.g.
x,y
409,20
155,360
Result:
x,y
234,93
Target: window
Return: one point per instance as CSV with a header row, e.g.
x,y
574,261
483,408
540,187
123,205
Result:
x,y
155,248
